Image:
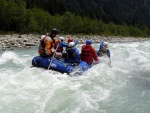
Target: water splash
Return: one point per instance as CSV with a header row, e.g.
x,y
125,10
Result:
x,y
121,88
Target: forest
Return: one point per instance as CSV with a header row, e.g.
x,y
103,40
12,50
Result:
x,y
90,17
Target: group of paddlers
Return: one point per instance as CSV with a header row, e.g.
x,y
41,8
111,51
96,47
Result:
x,y
52,47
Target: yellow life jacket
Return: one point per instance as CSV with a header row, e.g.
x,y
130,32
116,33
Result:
x,y
102,51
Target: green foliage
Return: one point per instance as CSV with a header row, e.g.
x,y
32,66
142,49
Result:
x,y
37,21
67,22
40,16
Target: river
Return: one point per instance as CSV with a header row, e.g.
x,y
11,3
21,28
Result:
x,y
120,87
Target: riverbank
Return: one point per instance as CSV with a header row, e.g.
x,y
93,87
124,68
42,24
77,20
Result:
x,y
9,42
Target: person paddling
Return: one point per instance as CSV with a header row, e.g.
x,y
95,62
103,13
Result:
x,y
103,49
88,53
61,44
72,54
47,43
70,39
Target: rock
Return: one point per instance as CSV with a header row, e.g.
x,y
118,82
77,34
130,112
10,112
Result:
x,y
29,44
19,36
26,41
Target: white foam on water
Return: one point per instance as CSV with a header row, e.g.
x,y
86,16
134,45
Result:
x,y
8,56
120,87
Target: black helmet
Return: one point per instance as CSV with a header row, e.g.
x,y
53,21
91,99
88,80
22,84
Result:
x,y
54,31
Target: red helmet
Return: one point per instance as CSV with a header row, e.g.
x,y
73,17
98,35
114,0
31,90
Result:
x,y
70,39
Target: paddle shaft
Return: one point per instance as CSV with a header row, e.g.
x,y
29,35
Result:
x,y
110,60
53,57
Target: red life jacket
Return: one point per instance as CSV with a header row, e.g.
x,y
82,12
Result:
x,y
60,49
88,53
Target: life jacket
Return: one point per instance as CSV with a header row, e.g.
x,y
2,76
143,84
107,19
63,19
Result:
x,y
71,53
87,51
42,46
60,49
41,49
102,51
55,43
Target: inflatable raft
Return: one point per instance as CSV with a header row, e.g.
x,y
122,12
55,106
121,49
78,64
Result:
x,y
58,65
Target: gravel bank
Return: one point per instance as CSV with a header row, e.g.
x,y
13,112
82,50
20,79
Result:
x,y
10,42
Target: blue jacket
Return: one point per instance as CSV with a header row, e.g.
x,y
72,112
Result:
x,y
63,44
76,42
101,52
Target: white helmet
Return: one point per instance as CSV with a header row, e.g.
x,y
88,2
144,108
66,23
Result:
x,y
105,43
43,36
71,44
61,38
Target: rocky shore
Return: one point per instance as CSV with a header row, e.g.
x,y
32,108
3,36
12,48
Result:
x,y
9,42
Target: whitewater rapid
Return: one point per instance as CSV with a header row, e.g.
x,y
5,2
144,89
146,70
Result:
x,y
120,87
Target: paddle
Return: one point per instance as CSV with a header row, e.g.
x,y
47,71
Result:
x,y
110,62
53,57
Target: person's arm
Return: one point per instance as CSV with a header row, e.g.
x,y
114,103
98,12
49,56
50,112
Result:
x,y
95,56
108,53
77,53
76,42
62,44
56,42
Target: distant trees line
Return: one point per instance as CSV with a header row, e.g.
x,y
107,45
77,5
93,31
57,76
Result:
x,y
16,17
